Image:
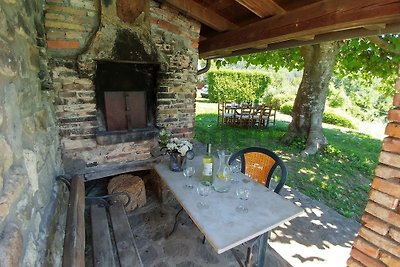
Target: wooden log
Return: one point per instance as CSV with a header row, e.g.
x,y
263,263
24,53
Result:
x,y
74,241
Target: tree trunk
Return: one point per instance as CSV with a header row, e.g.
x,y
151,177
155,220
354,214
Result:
x,y
319,61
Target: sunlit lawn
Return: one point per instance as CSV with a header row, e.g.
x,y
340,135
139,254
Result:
x,y
340,176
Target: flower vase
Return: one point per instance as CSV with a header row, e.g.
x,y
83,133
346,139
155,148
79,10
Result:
x,y
176,161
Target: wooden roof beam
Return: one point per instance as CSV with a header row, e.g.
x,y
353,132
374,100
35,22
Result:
x,y
326,37
262,8
319,18
204,15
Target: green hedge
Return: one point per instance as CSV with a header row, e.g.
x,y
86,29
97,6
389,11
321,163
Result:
x,y
329,116
239,86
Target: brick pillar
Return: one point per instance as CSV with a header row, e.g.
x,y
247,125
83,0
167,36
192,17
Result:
x,y
378,240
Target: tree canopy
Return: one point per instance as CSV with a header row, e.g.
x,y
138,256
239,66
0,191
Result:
x,y
366,58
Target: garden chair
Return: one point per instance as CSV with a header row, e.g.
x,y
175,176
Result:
x,y
259,164
245,115
225,114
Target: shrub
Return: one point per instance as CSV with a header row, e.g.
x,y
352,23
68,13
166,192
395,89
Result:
x,y
336,119
287,108
329,116
279,99
239,86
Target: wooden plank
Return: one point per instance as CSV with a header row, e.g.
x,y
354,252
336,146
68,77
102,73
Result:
x,y
126,247
115,110
74,241
262,8
101,240
111,169
136,109
327,37
203,14
320,17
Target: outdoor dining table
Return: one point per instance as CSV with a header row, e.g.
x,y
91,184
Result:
x,y
224,227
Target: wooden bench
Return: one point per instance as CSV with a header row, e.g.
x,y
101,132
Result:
x,y
112,238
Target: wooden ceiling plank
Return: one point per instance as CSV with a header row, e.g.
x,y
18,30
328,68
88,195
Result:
x,y
262,8
327,37
203,15
318,18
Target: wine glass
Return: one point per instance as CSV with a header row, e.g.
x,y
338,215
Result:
x,y
235,167
243,193
188,172
203,190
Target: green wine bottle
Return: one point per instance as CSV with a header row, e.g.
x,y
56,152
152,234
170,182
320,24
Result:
x,y
208,167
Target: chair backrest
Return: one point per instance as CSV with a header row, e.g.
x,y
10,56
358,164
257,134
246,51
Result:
x,y
259,164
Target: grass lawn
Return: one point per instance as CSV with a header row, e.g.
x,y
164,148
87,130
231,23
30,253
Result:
x,y
340,177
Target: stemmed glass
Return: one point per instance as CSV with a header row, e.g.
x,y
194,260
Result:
x,y
242,193
188,172
203,190
235,167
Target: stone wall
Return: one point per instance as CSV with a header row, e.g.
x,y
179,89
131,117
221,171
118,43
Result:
x,y
378,240
29,158
80,32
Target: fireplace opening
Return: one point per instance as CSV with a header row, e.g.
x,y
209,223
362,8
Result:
x,y
126,95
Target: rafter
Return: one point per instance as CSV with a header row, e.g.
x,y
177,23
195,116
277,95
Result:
x,y
262,8
326,37
318,18
204,15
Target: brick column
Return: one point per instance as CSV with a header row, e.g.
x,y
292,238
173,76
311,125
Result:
x,y
378,240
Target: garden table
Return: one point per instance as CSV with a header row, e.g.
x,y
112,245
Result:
x,y
224,227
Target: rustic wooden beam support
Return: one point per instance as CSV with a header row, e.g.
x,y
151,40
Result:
x,y
333,36
204,15
375,26
74,241
319,18
262,8
305,38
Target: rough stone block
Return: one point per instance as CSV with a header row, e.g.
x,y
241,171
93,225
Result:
x,y
11,246
6,159
133,185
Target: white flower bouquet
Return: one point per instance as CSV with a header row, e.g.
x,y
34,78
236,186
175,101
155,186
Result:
x,y
174,145
180,146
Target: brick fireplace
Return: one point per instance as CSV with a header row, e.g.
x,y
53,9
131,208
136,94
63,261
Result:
x,y
119,77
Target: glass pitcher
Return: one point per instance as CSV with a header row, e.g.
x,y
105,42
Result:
x,y
221,182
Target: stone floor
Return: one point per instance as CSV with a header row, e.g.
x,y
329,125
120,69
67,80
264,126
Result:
x,y
320,237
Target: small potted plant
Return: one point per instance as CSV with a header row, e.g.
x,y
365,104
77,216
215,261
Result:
x,y
178,150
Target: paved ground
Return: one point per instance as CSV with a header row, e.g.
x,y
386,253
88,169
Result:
x,y
321,237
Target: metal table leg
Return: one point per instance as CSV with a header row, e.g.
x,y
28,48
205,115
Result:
x,y
175,223
262,249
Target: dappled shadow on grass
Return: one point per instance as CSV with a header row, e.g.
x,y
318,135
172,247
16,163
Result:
x,y
340,176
